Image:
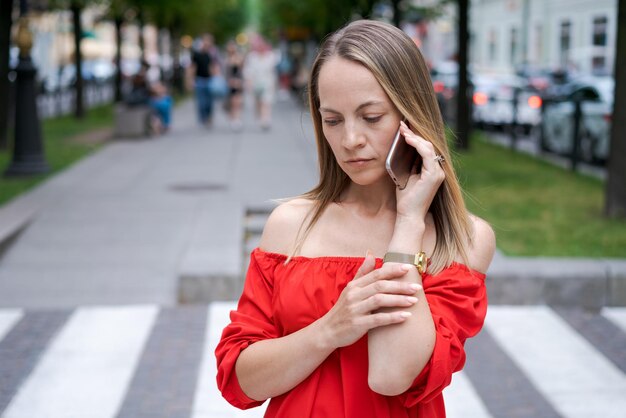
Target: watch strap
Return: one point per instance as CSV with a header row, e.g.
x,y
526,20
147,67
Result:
x,y
419,260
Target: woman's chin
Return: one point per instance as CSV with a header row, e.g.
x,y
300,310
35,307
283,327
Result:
x,y
369,180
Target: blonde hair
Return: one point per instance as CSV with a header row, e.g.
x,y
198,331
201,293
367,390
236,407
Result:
x,y
398,66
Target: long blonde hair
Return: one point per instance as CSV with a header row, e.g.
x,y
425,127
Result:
x,y
398,66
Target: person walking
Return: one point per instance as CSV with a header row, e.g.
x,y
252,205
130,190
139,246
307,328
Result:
x,y
260,72
234,77
359,299
203,67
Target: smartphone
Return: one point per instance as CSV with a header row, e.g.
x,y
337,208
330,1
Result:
x,y
400,160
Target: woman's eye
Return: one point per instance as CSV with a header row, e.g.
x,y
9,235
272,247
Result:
x,y
331,122
372,119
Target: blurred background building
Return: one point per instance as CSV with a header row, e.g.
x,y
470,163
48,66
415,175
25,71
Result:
x,y
572,35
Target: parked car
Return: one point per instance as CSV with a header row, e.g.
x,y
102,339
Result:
x,y
445,78
501,100
557,133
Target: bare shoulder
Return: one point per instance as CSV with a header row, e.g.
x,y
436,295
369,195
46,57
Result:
x,y
483,245
282,226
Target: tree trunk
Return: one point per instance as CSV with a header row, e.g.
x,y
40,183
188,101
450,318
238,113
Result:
x,y
118,58
6,12
397,15
463,98
79,109
178,76
142,43
615,202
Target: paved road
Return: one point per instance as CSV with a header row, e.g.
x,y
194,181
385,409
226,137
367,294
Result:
x,y
146,361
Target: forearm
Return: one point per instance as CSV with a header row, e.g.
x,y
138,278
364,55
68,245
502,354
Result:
x,y
398,353
272,367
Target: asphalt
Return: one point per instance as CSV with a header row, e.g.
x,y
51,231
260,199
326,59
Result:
x,y
169,220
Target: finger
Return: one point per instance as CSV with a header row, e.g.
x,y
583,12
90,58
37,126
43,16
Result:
x,y
386,272
392,287
425,149
381,300
381,319
368,266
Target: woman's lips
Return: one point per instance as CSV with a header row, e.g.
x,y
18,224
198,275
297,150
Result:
x,y
359,162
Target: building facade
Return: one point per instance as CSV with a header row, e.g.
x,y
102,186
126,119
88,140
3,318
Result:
x,y
575,35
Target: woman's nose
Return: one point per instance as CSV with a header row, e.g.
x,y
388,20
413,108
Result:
x,y
353,136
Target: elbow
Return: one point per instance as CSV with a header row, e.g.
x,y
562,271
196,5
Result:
x,y
392,382
388,384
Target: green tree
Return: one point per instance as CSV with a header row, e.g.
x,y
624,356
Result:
x,y
76,7
223,19
318,17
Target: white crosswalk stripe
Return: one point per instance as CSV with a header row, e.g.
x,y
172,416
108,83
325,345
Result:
x,y
574,377
8,318
208,402
85,370
461,399
617,316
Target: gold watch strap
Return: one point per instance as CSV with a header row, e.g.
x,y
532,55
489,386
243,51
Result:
x,y
419,260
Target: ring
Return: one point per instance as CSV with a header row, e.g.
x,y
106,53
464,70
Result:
x,y
440,159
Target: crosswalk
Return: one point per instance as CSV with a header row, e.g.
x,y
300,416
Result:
x,y
151,361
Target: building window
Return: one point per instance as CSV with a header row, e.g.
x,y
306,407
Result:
x,y
514,46
598,60
565,42
493,45
599,31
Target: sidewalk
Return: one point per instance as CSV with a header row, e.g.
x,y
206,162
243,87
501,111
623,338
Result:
x,y
169,220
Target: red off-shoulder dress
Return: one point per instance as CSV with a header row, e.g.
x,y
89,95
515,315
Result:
x,y
279,299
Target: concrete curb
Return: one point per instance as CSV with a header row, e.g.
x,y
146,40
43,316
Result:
x,y
589,283
211,266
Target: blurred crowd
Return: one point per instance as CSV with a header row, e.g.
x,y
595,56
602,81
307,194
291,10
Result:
x,y
224,75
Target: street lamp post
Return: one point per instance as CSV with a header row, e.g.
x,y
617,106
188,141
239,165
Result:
x,y
28,156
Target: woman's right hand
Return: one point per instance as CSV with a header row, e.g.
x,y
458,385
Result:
x,y
358,308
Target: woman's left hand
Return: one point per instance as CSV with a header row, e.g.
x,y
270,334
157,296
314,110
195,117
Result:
x,y
413,202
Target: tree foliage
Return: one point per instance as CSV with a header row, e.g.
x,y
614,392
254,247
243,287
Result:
x,y
315,17
224,18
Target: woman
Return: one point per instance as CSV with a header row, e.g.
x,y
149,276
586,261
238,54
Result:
x,y
260,73
324,331
234,74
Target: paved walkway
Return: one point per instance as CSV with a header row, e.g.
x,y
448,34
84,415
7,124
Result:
x,y
124,224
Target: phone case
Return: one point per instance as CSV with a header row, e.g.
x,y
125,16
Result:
x,y
400,160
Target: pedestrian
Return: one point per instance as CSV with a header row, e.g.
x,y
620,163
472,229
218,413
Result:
x,y
161,103
139,94
260,72
361,295
203,67
234,76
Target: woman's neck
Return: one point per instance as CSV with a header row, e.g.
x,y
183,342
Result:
x,y
372,200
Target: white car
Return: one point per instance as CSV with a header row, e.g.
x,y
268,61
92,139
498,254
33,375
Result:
x,y
494,97
596,95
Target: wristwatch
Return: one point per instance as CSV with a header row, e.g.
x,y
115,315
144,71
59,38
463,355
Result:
x,y
419,260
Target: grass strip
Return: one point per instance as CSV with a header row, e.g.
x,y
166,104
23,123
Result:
x,y
65,140
535,208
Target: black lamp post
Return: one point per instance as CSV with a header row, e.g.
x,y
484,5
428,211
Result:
x,y
28,156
